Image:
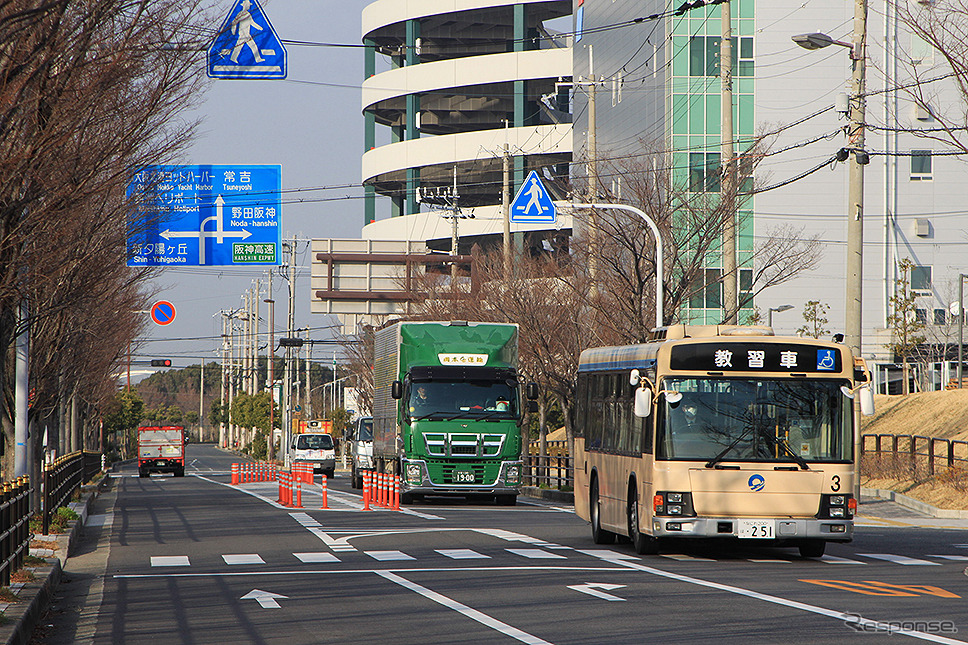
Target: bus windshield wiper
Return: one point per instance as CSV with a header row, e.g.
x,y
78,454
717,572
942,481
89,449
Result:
x,y
718,458
786,448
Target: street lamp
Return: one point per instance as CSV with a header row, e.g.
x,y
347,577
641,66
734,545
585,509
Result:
x,y
855,144
769,313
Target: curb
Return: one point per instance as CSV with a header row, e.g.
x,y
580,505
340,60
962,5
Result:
x,y
915,505
549,494
35,596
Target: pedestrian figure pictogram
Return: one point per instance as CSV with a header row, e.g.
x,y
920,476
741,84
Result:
x,y
533,203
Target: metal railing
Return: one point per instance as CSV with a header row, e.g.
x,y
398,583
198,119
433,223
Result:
x,y
63,477
14,526
553,471
910,455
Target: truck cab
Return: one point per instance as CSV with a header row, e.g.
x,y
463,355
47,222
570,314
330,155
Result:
x,y
359,441
316,449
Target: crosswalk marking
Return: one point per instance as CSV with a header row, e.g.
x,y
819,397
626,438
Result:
x,y
314,558
170,561
956,558
389,556
462,554
536,554
243,558
832,559
899,559
682,557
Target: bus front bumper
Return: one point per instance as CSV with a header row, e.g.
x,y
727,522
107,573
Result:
x,y
776,530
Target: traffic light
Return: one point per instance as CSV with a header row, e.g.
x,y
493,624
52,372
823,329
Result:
x,y
161,362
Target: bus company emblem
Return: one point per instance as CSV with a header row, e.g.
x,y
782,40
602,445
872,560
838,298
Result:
x,y
757,483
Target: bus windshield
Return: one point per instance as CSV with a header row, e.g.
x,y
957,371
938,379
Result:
x,y
737,419
482,399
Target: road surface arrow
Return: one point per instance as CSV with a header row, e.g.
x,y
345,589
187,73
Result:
x,y
266,599
598,590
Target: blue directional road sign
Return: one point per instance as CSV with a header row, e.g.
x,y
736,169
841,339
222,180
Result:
x,y
246,45
205,216
533,204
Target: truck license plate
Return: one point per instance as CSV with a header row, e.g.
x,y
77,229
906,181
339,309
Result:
x,y
463,476
757,529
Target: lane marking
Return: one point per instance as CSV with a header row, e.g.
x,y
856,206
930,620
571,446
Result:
x,y
876,588
793,604
170,561
599,590
462,554
388,556
956,558
832,559
319,572
900,559
316,557
243,558
461,608
536,554
266,599
681,557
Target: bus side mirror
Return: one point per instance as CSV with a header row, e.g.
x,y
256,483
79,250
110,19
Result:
x,y
532,391
642,407
396,390
867,400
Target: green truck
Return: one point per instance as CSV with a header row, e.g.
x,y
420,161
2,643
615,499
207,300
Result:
x,y
447,408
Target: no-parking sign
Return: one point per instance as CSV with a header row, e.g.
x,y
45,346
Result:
x,y
163,312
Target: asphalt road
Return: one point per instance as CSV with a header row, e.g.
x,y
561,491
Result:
x,y
195,560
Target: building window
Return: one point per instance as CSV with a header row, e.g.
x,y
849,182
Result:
x,y
704,172
940,317
921,315
709,295
920,165
704,56
921,279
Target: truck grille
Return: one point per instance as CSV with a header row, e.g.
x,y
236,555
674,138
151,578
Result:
x,y
443,444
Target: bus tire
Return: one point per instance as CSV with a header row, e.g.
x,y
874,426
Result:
x,y
812,548
599,535
642,543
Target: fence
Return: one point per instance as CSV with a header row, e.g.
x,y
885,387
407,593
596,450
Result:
x,y
15,526
910,456
65,476
553,471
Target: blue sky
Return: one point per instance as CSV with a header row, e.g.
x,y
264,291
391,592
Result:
x,y
310,123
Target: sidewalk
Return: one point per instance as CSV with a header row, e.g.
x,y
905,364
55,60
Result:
x,y
18,619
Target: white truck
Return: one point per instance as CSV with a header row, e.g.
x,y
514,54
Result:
x,y
316,449
161,449
359,444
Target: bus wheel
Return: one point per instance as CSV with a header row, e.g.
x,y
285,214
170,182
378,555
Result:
x,y
599,535
812,549
642,543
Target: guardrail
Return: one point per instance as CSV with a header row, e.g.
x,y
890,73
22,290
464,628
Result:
x,y
915,456
14,526
557,448
63,477
554,471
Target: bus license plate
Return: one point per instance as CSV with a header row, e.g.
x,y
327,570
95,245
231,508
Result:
x,y
757,529
463,476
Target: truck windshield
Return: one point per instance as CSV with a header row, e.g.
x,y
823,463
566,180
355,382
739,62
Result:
x,y
463,399
314,442
366,431
755,420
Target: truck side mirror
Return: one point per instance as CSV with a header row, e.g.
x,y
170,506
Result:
x,y
396,390
532,391
532,406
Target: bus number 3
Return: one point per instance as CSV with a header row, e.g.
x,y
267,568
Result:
x,y
835,484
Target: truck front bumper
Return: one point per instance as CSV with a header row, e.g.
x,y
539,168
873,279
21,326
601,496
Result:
x,y
416,479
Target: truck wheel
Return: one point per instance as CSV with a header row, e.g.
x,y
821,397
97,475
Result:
x,y
506,500
406,499
180,472
142,473
354,482
330,473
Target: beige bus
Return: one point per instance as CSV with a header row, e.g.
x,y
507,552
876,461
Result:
x,y
719,432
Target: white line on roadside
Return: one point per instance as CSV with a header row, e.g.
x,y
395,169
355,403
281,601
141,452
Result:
x,y
461,608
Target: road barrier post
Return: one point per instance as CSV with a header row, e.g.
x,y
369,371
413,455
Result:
x,y
325,501
299,494
281,499
396,493
235,474
366,490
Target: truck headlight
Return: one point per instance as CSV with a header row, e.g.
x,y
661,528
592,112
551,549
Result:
x,y
413,473
512,473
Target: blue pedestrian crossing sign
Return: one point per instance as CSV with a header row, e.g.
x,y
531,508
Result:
x,y
533,204
246,45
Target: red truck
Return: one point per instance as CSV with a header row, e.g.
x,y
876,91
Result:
x,y
161,449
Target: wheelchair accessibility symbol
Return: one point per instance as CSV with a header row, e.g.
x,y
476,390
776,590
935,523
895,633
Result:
x,y
826,360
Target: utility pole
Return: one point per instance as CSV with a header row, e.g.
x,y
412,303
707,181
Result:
x,y
270,373
201,399
287,372
506,209
221,425
309,389
454,240
255,339
728,164
859,158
